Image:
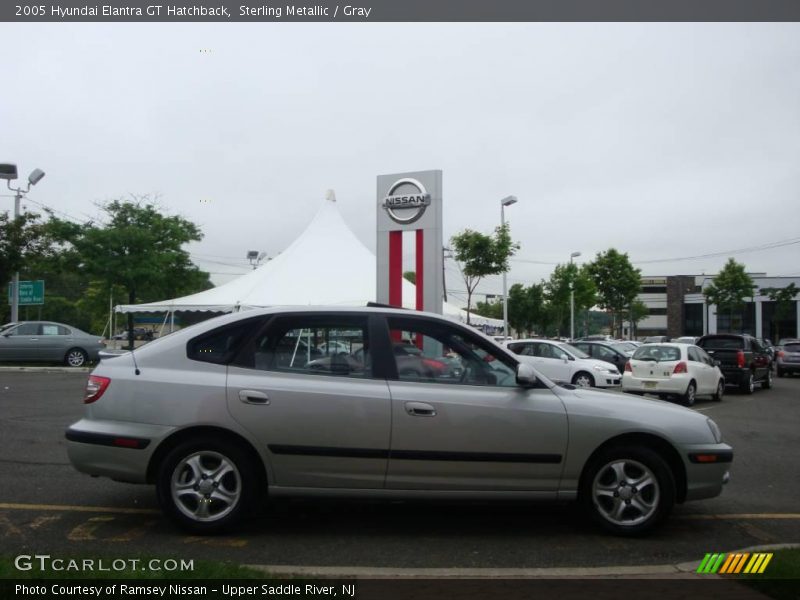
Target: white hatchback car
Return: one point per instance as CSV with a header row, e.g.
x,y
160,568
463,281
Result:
x,y
668,370
562,362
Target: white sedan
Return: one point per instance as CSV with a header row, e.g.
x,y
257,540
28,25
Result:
x,y
562,362
668,370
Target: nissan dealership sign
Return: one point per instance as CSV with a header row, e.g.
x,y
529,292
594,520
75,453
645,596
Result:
x,y
409,205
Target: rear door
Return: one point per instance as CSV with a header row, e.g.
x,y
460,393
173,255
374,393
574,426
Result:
x,y
305,387
479,431
54,342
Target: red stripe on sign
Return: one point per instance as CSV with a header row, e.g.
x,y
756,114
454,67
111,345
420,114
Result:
x,y
420,281
396,268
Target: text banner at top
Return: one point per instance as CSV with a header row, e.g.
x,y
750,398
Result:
x,y
404,11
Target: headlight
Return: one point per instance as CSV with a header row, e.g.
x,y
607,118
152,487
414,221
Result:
x,y
715,431
611,370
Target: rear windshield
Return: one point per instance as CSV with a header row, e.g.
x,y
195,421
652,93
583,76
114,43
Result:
x,y
657,353
792,347
722,343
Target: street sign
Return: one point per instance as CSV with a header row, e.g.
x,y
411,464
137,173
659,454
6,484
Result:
x,y
31,293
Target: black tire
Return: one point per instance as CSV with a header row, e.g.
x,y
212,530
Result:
x,y
717,397
76,357
200,511
690,395
780,372
601,494
583,376
748,385
767,382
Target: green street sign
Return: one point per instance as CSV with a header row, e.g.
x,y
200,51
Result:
x,y
31,293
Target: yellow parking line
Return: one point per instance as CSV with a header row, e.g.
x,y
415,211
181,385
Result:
x,y
72,508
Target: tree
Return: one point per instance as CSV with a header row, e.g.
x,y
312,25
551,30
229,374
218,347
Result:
x,y
637,311
410,276
490,309
139,249
565,279
729,289
526,307
21,240
617,282
784,302
480,255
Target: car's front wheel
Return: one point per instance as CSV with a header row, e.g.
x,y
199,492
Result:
x,y
628,490
75,357
583,379
206,486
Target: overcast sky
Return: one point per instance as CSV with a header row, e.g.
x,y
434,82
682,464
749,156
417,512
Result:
x,y
662,140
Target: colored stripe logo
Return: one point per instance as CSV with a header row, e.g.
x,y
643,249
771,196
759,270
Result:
x,y
734,564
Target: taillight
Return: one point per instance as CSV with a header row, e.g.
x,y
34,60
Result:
x,y
680,368
433,364
739,358
628,367
95,387
780,353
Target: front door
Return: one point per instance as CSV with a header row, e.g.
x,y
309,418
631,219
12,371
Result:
x,y
460,421
21,343
305,389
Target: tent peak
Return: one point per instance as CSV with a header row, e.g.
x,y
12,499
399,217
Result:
x,y
330,196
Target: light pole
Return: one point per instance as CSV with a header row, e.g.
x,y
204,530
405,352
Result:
x,y
9,172
507,201
572,298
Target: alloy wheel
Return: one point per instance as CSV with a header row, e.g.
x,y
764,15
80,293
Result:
x,y
206,486
626,492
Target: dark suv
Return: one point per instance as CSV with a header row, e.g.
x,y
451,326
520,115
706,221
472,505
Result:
x,y
744,361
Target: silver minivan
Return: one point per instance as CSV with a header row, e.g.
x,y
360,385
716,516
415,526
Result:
x,y
316,401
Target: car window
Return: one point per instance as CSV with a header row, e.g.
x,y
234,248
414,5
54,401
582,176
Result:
x,y
51,329
722,343
791,347
312,345
522,349
26,329
582,347
693,355
220,345
703,356
432,352
657,353
604,353
574,350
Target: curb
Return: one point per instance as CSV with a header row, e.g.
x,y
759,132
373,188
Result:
x,y
684,570
45,369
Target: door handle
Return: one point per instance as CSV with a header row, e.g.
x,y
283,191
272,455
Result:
x,y
253,397
420,409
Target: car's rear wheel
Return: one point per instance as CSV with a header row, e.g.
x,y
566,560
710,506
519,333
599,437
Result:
x,y
583,379
628,490
717,397
206,486
748,385
767,383
690,395
75,357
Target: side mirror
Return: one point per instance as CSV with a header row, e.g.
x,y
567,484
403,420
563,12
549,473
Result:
x,y
526,375
717,363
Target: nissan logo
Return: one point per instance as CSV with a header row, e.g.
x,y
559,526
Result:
x,y
408,206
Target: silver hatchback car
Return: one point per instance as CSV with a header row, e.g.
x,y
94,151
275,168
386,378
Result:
x,y
314,401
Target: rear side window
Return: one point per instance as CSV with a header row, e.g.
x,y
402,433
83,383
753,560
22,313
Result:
x,y
722,343
792,348
220,345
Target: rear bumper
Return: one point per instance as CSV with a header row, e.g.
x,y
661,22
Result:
x,y
735,375
673,385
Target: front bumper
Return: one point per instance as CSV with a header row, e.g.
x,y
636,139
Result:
x,y
706,479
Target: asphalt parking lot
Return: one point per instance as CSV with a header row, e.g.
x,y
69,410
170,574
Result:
x,y
46,506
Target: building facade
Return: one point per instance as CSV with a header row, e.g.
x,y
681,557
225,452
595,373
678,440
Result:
x,y
678,307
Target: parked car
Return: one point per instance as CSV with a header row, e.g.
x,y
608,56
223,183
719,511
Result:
x,y
46,341
670,370
139,333
656,339
564,363
609,353
626,347
743,360
214,418
787,360
686,339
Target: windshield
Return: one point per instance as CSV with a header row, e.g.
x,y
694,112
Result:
x,y
657,353
6,326
573,350
625,346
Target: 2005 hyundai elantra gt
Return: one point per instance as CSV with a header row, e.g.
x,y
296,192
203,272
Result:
x,y
315,401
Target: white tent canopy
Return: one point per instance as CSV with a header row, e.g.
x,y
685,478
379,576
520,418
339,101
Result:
x,y
326,265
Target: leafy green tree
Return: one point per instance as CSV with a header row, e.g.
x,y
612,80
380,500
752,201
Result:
x,y
139,249
568,278
784,303
729,289
526,307
410,276
490,309
480,255
21,240
635,312
617,282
